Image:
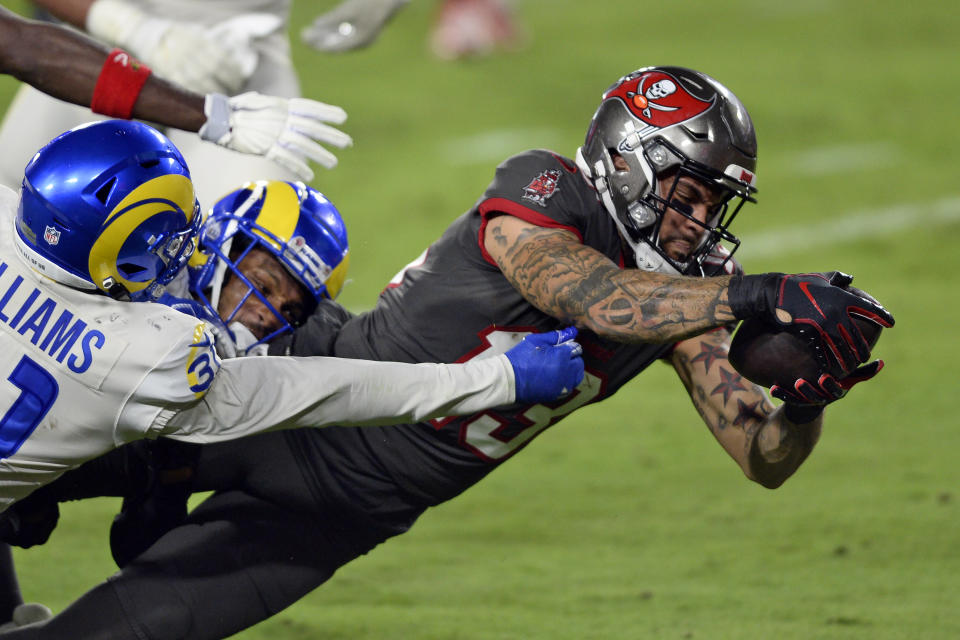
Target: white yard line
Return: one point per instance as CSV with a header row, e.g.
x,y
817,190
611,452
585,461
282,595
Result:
x,y
496,146
845,227
844,158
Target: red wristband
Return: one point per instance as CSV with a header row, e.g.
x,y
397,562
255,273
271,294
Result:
x,y
119,85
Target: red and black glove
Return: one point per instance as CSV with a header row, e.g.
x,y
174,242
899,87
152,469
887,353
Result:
x,y
806,400
815,307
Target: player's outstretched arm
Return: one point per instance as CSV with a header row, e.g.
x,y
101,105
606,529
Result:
x,y
67,65
764,441
219,58
251,395
577,284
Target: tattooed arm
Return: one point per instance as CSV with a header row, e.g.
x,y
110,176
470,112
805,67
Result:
x,y
575,283
767,446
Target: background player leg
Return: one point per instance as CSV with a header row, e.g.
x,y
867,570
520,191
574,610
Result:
x,y
13,612
237,561
9,587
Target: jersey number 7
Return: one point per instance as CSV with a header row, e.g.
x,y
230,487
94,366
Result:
x,y
38,392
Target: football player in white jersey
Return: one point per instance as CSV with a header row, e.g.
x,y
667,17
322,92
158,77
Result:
x,y
107,215
215,47
273,252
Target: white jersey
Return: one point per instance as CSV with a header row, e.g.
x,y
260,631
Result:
x,y
81,373
85,373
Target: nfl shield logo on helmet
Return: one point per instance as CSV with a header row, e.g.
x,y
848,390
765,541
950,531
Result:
x,y
51,235
542,187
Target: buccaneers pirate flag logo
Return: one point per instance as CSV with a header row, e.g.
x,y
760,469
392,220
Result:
x,y
542,187
658,99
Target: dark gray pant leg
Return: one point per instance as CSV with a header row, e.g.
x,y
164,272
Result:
x,y
237,561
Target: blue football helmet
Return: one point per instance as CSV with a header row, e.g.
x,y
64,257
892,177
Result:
x,y
296,224
108,206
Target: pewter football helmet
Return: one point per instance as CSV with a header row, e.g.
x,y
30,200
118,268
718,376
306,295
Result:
x,y
667,122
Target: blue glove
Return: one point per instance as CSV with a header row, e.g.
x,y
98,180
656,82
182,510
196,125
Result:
x,y
547,366
226,343
187,306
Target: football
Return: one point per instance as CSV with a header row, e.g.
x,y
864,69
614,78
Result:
x,y
766,354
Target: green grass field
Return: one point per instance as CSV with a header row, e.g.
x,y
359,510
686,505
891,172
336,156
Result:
x,y
627,520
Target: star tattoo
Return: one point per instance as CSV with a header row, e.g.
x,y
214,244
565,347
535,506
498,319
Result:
x,y
730,385
746,412
708,355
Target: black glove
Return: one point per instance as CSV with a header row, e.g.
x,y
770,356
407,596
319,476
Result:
x,y
29,522
815,307
155,507
143,521
806,400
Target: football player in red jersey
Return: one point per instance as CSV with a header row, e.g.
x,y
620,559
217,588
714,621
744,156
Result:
x,y
629,240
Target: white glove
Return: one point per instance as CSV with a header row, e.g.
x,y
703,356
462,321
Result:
x,y
352,24
216,59
245,344
223,340
284,130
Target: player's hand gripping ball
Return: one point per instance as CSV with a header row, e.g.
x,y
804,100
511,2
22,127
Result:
x,y
793,368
